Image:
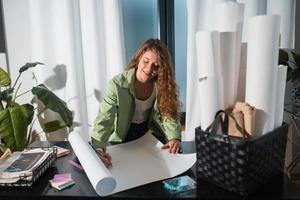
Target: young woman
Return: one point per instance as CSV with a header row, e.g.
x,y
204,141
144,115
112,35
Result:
x,y
142,97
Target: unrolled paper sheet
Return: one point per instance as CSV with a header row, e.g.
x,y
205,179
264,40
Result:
x,y
134,163
262,59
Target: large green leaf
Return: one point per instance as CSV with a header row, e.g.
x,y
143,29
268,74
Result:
x,y
30,111
283,57
4,78
53,126
29,65
13,127
51,101
2,148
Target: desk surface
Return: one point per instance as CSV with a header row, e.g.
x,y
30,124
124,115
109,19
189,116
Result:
x,y
280,187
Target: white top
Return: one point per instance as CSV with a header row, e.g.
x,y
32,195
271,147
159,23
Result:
x,y
143,107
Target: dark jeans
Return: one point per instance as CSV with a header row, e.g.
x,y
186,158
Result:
x,y
138,130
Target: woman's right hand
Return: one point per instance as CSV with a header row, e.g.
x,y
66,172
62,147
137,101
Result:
x,y
105,158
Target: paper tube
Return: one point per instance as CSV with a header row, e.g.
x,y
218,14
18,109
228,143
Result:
x,y
228,67
211,90
229,18
242,74
261,61
208,53
100,178
286,10
251,9
280,93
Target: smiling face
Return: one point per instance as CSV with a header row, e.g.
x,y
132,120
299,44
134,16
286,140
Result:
x,y
147,66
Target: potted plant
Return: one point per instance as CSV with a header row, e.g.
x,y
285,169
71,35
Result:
x,y
16,120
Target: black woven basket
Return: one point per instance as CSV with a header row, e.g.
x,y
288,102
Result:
x,y
240,165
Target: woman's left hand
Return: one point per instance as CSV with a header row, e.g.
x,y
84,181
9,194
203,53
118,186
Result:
x,y
174,146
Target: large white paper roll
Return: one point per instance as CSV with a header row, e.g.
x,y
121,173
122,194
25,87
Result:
x,y
286,10
211,90
228,67
242,74
229,18
280,93
208,53
263,37
251,8
99,176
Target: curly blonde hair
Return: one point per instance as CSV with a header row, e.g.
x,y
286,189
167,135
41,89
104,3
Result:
x,y
168,92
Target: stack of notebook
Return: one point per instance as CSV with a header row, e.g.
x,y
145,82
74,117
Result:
x,y
19,166
62,181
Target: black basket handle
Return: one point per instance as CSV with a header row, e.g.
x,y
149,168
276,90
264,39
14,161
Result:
x,y
225,123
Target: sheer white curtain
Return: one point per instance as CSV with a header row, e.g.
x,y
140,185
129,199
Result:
x,y
81,43
202,15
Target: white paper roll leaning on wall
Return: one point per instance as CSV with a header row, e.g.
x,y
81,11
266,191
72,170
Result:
x,y
101,180
251,8
286,10
229,18
280,93
262,58
211,89
228,67
208,53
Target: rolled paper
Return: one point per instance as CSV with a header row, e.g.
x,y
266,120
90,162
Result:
x,y
262,58
99,176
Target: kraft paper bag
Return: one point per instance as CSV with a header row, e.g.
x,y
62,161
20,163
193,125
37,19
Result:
x,y
244,115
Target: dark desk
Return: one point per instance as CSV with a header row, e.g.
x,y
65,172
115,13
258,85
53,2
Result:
x,y
280,187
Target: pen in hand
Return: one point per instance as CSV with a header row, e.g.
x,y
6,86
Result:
x,y
105,157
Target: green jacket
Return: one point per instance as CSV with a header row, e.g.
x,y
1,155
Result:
x,y
117,110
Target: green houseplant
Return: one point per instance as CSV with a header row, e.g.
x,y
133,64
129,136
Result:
x,y
16,120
